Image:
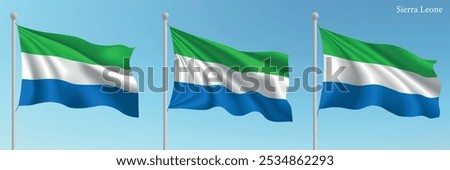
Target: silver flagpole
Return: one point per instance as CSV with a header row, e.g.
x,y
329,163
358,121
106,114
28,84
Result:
x,y
165,16
13,82
315,16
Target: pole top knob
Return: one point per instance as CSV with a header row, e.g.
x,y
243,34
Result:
x,y
13,15
165,15
315,15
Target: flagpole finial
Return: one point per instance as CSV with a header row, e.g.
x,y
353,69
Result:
x,y
13,15
315,15
165,15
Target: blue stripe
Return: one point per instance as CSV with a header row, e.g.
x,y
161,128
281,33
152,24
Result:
x,y
192,96
358,97
78,96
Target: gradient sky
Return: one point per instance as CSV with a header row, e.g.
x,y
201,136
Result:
x,y
284,26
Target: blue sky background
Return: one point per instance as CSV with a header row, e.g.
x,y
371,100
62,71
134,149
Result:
x,y
284,26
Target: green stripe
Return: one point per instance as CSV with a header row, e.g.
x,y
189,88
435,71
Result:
x,y
188,45
352,49
73,48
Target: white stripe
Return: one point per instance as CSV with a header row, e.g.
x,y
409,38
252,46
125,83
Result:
x,y
359,73
36,67
194,71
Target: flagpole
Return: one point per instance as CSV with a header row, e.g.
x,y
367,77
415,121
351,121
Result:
x,y
315,16
13,83
165,16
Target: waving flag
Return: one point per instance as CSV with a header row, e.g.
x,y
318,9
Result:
x,y
209,74
71,71
377,74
